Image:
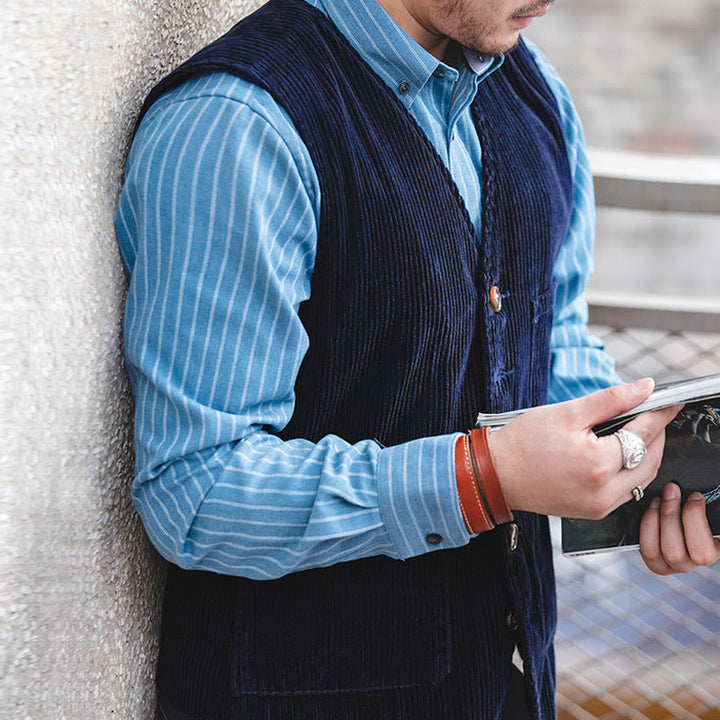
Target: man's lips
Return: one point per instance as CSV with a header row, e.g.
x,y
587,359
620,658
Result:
x,y
522,21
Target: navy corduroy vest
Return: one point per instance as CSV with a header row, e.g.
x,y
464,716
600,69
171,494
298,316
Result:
x,y
403,344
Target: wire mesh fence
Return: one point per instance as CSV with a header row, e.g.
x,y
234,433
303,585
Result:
x,y
632,645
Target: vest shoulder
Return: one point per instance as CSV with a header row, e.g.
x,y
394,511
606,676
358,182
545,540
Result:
x,y
284,42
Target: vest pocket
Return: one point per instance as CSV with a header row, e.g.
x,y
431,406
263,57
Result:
x,y
354,627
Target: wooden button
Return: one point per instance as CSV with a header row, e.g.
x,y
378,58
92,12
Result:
x,y
513,534
495,299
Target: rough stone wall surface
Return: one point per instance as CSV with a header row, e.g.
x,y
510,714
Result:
x,y
80,586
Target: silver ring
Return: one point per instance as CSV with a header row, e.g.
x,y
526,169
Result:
x,y
633,448
638,493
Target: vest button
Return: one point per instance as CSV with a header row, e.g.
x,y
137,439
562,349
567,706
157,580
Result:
x,y
513,535
495,299
433,539
511,623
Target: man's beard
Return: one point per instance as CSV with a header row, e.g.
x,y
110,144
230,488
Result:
x,y
486,47
485,42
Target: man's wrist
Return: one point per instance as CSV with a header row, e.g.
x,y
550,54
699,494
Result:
x,y
482,501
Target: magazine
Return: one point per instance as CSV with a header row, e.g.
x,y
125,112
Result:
x,y
691,459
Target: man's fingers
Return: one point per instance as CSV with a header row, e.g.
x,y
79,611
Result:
x,y
650,424
662,537
649,427
626,481
650,550
606,404
672,532
702,547
674,540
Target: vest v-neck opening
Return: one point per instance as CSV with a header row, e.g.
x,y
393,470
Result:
x,y
420,135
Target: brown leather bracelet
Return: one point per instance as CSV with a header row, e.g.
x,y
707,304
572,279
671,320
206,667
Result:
x,y
475,514
478,479
487,475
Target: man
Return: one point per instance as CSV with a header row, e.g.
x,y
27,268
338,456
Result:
x,y
350,226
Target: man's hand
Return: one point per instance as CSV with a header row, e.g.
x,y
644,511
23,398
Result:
x,y
550,461
675,540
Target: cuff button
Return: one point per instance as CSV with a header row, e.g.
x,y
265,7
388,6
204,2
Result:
x,y
433,539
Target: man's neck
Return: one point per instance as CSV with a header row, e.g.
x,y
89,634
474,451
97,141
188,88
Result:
x,y
411,23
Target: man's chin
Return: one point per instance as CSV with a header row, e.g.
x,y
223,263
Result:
x,y
514,45
499,49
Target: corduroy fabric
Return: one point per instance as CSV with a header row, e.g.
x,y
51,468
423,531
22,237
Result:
x,y
403,343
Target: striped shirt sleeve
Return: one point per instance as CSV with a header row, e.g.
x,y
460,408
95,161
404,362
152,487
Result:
x,y
217,227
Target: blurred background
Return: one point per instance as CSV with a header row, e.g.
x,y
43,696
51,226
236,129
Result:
x,y
645,78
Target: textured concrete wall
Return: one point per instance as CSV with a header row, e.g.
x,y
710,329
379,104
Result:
x,y
79,584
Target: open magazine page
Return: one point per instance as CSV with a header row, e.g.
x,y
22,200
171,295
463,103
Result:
x,y
664,394
691,459
682,391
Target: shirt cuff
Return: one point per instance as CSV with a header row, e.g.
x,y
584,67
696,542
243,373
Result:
x,y
417,496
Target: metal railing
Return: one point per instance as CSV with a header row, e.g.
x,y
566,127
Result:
x,y
632,645
661,183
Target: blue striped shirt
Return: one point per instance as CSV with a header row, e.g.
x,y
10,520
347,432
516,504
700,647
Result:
x,y
217,226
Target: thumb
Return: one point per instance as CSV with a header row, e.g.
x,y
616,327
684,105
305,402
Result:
x,y
606,404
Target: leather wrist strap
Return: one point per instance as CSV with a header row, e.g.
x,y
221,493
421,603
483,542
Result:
x,y
487,477
472,505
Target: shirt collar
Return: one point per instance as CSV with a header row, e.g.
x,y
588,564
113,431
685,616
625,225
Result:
x,y
389,50
480,64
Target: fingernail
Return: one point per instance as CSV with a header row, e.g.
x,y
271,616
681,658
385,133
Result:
x,y
670,492
644,385
697,496
655,503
